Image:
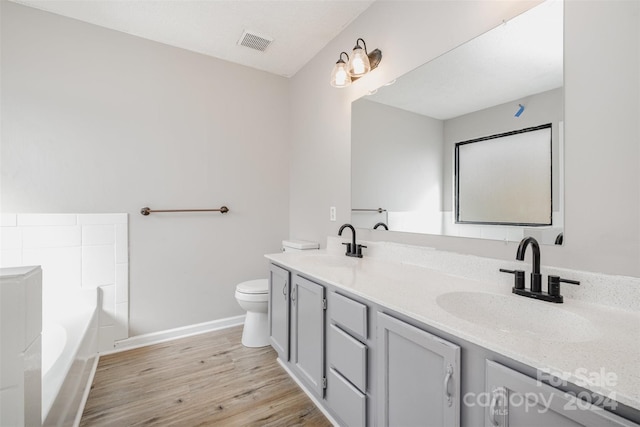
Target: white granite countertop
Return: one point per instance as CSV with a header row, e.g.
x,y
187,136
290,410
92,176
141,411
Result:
x,y
594,346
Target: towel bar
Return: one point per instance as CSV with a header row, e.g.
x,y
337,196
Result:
x,y
146,211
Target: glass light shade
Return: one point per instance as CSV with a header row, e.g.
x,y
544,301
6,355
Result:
x,y
340,76
359,63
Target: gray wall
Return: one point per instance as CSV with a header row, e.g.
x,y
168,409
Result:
x,y
94,120
602,50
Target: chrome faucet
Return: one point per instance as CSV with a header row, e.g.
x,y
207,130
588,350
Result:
x,y
353,249
535,291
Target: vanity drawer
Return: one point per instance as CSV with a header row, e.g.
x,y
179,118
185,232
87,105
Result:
x,y
349,357
349,404
350,315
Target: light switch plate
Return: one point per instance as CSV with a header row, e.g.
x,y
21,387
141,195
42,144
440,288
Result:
x,y
332,213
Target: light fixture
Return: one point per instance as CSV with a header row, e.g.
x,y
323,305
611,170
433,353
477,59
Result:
x,y
340,75
360,63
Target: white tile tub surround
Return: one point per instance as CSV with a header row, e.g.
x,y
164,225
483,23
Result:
x,y
605,289
21,350
76,251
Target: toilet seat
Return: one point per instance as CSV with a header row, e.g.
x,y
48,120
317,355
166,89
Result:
x,y
241,296
253,287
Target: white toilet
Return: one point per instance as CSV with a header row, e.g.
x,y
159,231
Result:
x,y
253,296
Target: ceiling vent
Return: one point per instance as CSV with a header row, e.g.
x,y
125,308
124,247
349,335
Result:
x,y
255,41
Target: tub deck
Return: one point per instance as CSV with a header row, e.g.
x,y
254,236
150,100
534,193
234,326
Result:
x,y
69,347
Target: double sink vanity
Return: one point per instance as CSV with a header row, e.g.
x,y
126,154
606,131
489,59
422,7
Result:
x,y
410,336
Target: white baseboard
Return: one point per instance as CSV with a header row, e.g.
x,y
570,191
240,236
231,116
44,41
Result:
x,y
311,396
172,334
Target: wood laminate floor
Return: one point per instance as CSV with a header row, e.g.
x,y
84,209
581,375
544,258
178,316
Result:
x,y
207,379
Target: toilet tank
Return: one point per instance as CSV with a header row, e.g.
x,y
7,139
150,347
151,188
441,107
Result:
x,y
298,245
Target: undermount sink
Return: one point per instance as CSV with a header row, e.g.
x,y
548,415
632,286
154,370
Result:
x,y
518,316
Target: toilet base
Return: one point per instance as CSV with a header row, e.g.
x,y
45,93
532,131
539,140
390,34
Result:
x,y
255,332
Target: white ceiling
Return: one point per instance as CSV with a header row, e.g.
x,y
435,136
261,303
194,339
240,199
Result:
x,y
521,57
300,28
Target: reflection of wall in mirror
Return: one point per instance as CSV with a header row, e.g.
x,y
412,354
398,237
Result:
x,y
396,165
403,162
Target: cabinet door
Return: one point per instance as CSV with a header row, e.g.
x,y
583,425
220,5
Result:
x,y
308,306
279,310
418,376
517,400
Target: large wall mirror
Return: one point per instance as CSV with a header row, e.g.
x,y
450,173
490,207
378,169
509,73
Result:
x,y
404,136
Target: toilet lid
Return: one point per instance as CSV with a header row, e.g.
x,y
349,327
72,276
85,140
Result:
x,y
259,286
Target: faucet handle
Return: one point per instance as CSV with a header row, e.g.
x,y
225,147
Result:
x,y
554,284
348,248
518,280
359,250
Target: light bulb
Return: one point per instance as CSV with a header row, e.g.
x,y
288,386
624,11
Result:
x,y
359,62
340,76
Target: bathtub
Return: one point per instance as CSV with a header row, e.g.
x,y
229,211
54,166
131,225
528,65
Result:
x,y
69,355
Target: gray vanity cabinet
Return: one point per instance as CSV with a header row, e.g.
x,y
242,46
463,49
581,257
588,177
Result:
x,y
279,283
308,305
418,376
517,400
382,371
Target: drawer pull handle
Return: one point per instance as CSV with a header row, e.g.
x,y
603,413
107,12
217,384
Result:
x,y
293,295
284,290
447,380
493,407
